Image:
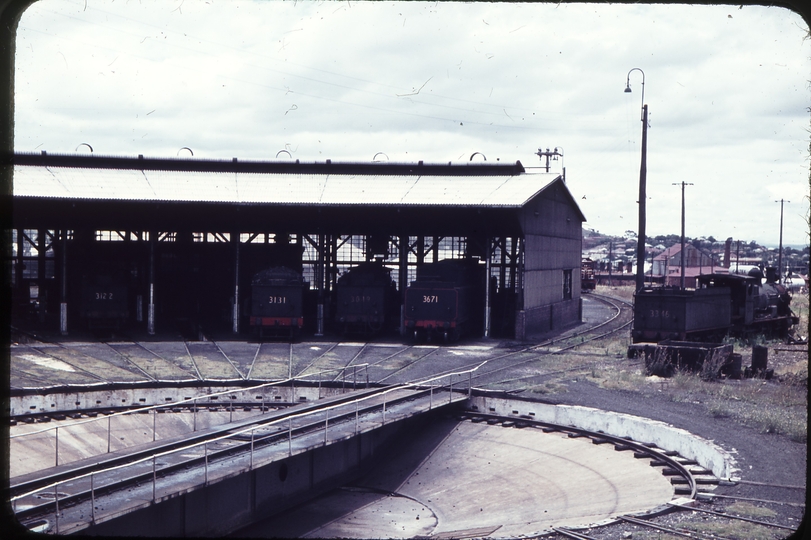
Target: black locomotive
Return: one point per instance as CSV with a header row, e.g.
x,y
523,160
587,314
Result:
x,y
740,305
366,299
104,301
446,300
277,296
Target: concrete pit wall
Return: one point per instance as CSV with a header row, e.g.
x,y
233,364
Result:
x,y
705,452
238,501
84,399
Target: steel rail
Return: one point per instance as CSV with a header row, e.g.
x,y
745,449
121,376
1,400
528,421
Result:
x,y
380,361
652,452
559,351
208,458
194,401
534,348
207,435
572,534
422,388
765,501
672,530
396,371
731,516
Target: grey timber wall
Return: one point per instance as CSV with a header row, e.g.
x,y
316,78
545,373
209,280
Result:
x,y
553,235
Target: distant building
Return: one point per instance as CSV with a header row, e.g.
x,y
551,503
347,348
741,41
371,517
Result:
x,y
667,265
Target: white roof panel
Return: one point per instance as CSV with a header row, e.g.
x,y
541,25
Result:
x,y
277,188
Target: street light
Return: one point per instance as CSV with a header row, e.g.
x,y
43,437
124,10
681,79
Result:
x,y
640,245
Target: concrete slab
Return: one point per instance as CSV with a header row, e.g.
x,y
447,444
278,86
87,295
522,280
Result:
x,y
503,482
151,363
174,352
40,364
240,353
272,362
211,362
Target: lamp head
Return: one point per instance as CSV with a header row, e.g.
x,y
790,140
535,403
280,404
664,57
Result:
x,y
628,89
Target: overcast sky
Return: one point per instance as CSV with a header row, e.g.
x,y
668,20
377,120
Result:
x,y
727,89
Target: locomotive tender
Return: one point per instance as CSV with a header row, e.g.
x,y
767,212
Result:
x,y
366,299
277,301
446,300
740,305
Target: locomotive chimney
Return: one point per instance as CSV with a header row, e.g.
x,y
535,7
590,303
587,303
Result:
x,y
727,247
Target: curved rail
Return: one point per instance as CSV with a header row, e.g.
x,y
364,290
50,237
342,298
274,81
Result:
x,y
251,434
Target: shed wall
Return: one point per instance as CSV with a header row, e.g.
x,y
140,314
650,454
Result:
x,y
553,236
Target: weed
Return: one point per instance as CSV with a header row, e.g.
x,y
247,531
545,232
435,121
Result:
x,y
750,510
711,367
734,529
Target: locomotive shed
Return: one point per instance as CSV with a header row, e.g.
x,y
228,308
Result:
x,y
175,242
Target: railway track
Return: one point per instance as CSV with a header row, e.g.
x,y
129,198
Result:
x,y
522,356
209,453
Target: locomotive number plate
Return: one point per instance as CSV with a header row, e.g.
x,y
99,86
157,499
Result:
x,y
277,300
430,299
104,296
655,313
360,299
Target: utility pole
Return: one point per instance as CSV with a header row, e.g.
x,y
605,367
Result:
x,y
780,249
554,154
643,171
681,282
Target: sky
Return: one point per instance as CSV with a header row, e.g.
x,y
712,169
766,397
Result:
x,y
727,89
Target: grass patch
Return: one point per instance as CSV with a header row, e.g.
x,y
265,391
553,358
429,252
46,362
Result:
x,y
734,529
767,407
799,305
549,388
613,378
747,509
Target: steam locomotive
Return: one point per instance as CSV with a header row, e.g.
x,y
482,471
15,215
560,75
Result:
x,y
366,299
723,304
446,300
277,296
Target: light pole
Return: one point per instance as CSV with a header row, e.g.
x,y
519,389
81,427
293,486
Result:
x,y
681,281
780,249
640,240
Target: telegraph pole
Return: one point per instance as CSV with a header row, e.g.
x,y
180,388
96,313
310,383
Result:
x,y
643,171
780,249
682,230
554,154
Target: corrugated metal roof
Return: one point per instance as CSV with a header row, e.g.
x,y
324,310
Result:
x,y
503,190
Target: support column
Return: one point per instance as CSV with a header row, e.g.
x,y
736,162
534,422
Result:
x,y
487,250
150,314
420,250
402,280
63,293
319,279
235,239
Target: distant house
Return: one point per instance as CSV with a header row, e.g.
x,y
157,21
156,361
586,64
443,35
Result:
x,y
667,265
